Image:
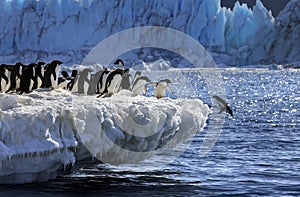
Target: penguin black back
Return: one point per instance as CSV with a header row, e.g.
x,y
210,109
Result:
x,y
14,75
27,78
51,72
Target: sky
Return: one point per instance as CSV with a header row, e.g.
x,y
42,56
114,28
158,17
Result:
x,y
275,5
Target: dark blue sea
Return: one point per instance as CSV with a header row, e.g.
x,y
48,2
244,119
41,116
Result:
x,y
256,154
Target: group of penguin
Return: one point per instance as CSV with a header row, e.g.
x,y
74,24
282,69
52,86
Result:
x,y
21,78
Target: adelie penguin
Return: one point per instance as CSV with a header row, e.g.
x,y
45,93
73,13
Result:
x,y
15,76
83,81
27,78
161,87
139,82
94,81
38,75
223,106
113,82
125,82
102,82
51,74
66,81
3,78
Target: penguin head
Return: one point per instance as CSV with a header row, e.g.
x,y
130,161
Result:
x,y
64,74
56,62
41,63
126,70
119,62
166,80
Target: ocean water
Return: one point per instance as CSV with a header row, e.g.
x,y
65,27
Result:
x,y
257,153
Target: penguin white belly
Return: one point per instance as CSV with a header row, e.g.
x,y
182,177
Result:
x,y
75,86
39,82
7,86
31,84
85,87
17,83
139,88
3,84
160,91
63,85
115,84
54,82
103,83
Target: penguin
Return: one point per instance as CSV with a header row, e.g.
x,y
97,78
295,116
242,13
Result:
x,y
161,87
102,82
139,84
15,75
125,82
95,78
72,80
223,105
27,78
63,81
39,75
113,82
82,81
3,78
51,74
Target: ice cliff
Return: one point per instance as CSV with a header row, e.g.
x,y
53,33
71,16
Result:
x,y
68,29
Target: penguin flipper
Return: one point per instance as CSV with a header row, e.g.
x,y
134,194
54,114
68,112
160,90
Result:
x,y
169,89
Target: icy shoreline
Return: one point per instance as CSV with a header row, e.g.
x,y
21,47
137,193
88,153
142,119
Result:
x,y
41,131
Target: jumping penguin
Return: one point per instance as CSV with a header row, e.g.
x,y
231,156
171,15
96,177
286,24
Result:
x,y
223,106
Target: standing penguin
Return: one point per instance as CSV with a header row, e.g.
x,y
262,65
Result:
x,y
72,80
161,87
27,78
15,75
94,82
139,84
51,74
125,82
102,81
3,78
39,75
113,82
63,80
82,81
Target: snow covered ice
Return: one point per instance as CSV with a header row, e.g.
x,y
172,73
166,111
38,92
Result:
x,y
39,131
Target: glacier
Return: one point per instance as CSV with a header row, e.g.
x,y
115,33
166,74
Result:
x,y
44,133
67,30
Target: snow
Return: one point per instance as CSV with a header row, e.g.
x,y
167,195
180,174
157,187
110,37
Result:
x,y
41,131
69,29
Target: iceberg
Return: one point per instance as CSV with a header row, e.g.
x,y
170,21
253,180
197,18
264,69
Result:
x,y
68,30
44,133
